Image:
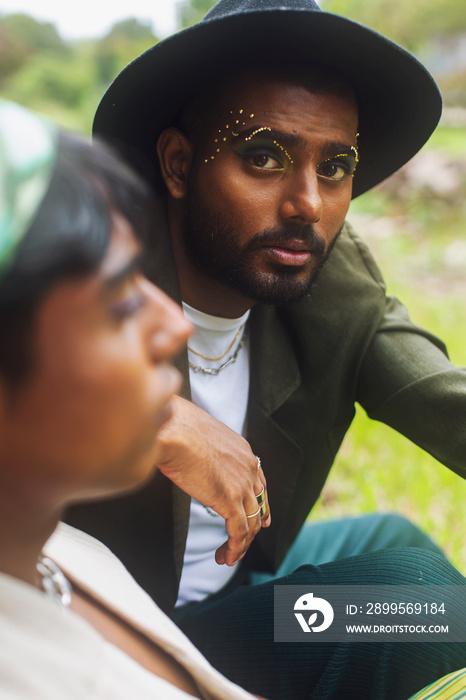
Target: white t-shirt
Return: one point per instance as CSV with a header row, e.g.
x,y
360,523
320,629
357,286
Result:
x,y
224,397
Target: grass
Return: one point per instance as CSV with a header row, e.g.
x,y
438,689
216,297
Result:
x,y
377,469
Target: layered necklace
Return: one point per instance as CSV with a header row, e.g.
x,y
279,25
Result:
x,y
213,371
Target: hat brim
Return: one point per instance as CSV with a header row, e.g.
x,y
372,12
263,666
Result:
x,y
399,102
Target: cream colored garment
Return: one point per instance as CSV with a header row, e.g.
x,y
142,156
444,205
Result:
x,y
50,654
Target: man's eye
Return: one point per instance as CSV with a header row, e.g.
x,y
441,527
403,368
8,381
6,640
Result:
x,y
264,161
337,168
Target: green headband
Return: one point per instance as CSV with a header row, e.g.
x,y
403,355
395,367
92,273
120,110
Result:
x,y
27,157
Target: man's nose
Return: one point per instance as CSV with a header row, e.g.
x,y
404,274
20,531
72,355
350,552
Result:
x,y
302,201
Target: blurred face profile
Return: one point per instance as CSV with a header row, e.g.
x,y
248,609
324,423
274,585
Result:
x,y
84,423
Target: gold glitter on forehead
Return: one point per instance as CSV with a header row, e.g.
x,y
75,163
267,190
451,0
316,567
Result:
x,y
227,126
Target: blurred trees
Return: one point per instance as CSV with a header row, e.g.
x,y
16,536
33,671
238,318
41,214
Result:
x,y
22,38
411,24
434,30
125,41
191,11
64,79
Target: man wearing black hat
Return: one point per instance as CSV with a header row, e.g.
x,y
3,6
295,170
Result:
x,y
257,126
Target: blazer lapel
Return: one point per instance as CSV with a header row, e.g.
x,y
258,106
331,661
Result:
x,y
274,377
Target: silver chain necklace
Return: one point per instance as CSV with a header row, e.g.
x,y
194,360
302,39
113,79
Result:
x,y
54,582
213,371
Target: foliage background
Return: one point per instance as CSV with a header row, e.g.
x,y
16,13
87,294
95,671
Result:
x,y
414,222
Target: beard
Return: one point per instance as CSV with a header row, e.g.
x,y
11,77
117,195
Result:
x,y
213,247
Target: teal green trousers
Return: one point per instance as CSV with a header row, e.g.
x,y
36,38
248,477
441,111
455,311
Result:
x,y
234,629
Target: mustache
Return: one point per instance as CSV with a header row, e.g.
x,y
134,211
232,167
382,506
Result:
x,y
284,234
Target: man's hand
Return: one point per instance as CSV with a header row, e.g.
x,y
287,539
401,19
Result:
x,y
217,467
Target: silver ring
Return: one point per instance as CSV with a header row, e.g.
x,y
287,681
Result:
x,y
254,514
258,462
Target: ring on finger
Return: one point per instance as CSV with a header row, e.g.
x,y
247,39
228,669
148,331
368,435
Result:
x,y
261,496
253,515
258,466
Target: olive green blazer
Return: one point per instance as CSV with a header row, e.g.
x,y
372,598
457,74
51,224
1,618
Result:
x,y
310,362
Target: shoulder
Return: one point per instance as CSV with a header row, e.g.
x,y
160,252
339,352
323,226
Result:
x,y
352,262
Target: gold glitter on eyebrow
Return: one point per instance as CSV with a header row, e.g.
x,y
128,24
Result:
x,y
268,128
258,131
241,111
251,116
342,155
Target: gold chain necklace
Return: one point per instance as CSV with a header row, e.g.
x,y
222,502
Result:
x,y
216,359
214,371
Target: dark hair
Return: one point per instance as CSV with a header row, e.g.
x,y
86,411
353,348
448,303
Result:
x,y
67,238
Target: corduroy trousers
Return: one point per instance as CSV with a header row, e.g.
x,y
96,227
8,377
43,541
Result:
x,y
234,629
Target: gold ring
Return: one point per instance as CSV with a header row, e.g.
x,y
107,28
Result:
x,y
254,514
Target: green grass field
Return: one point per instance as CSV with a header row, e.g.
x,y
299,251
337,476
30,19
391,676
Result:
x,y
377,469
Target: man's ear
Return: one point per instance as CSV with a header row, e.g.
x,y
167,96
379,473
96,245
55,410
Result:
x,y
175,154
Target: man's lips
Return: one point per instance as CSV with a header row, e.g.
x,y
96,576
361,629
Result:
x,y
293,252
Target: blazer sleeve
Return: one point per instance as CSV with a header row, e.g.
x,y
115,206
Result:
x,y
407,381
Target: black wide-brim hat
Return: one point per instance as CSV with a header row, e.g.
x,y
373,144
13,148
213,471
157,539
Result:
x,y
399,102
